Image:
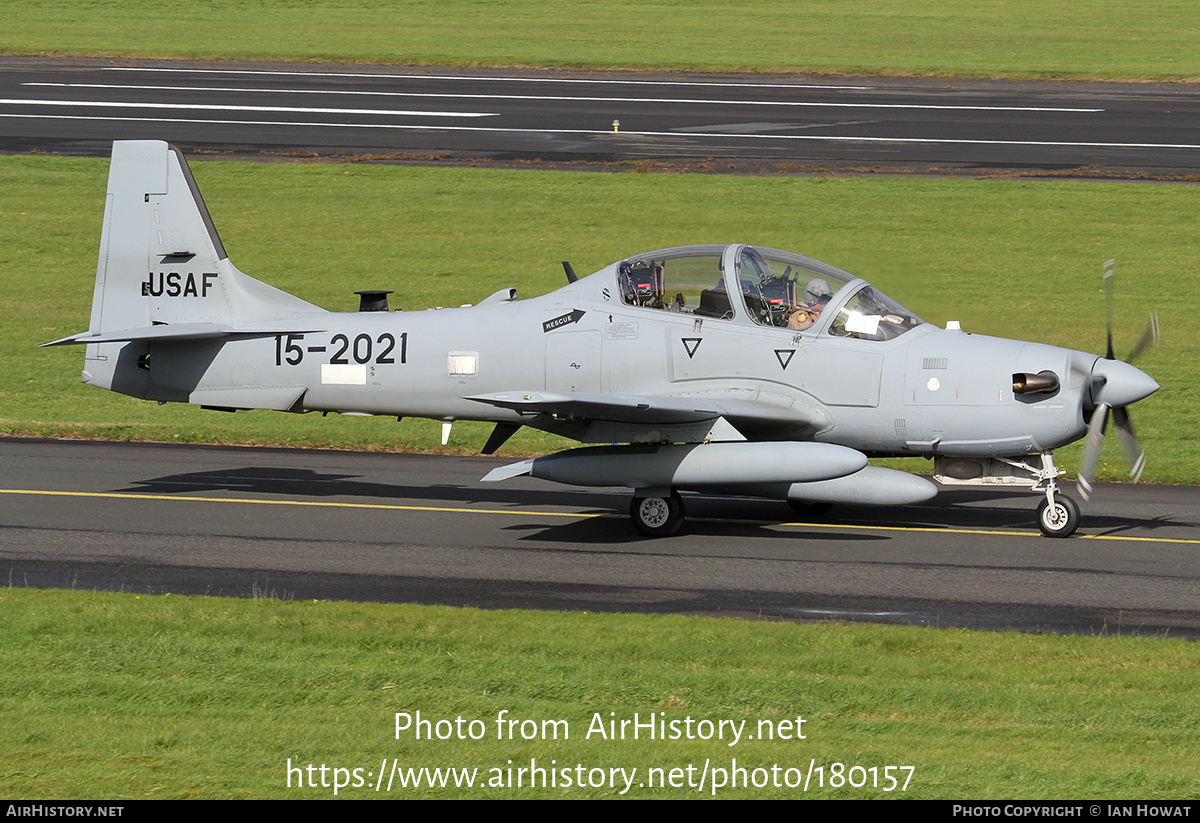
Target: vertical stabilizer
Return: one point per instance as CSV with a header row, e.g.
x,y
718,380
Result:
x,y
161,263
161,260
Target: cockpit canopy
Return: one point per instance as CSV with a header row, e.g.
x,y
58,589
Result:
x,y
770,287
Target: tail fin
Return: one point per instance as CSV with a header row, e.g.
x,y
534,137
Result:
x,y
161,260
163,274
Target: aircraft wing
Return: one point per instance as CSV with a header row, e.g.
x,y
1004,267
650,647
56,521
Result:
x,y
616,408
740,409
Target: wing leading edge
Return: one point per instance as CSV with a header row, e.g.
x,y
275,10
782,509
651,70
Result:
x,y
596,417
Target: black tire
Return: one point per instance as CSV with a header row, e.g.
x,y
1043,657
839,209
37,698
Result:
x,y
657,516
810,511
1059,520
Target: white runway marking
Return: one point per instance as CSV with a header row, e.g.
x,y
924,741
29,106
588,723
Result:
x,y
442,77
111,104
575,98
606,133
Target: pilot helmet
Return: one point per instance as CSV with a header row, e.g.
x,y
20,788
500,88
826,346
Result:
x,y
817,291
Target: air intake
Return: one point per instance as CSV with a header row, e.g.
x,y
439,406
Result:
x,y
373,299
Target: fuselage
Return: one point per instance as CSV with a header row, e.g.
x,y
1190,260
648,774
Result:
x,y
913,390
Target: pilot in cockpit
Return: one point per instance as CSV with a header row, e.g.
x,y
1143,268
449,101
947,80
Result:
x,y
816,296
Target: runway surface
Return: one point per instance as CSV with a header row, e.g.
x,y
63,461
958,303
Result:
x,y
714,121
153,518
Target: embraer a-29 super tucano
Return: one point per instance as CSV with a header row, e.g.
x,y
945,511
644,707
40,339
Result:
x,y
726,369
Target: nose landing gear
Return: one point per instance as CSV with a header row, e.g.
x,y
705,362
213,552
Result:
x,y
1058,515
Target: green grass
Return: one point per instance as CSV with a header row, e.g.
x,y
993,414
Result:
x,y
118,696
1023,38
1012,258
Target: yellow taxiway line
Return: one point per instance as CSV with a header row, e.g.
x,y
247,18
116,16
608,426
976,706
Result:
x,y
576,515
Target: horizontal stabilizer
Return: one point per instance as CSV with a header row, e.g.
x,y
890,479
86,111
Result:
x,y
176,331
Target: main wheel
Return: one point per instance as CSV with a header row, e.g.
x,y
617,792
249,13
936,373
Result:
x,y
657,516
1059,520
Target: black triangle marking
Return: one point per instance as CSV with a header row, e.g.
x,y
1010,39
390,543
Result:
x,y
690,344
785,356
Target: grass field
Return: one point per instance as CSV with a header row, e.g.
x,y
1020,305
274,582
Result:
x,y
117,696
1103,39
1017,259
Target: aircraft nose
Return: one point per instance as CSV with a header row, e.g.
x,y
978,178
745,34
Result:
x,y
1116,383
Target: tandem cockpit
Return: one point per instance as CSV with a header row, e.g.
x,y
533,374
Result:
x,y
771,288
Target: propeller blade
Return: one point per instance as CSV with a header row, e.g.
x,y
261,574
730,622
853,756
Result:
x,y
1115,384
1134,453
1091,450
1149,338
1108,302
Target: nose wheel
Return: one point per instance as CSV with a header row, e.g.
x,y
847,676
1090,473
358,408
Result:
x,y
657,516
1058,516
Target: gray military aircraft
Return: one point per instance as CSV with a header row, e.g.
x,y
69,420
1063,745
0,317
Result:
x,y
728,369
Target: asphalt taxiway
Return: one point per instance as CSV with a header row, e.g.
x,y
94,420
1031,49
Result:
x,y
718,121
155,518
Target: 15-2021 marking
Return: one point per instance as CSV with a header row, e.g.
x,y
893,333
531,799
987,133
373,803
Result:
x,y
383,349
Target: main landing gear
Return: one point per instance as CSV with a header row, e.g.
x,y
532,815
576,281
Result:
x,y
657,516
